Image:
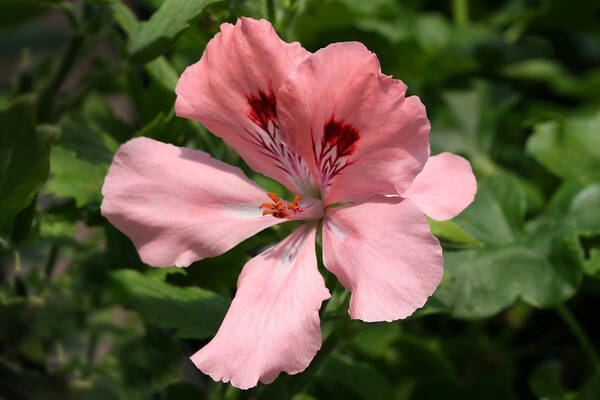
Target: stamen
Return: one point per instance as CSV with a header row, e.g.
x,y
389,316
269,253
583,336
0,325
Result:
x,y
275,199
278,209
294,206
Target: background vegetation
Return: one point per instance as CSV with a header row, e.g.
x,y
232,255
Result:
x,y
514,86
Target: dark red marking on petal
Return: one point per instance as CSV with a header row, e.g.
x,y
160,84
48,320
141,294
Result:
x,y
263,112
337,144
263,108
342,136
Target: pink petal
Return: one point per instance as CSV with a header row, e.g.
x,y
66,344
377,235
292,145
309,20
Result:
x,y
444,188
273,322
180,205
364,135
384,253
232,92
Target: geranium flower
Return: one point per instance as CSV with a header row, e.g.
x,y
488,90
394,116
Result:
x,y
334,130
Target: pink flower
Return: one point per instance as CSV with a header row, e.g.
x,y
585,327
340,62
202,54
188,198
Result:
x,y
333,129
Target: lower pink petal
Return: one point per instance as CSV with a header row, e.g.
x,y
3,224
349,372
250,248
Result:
x,y
273,322
180,205
444,188
384,253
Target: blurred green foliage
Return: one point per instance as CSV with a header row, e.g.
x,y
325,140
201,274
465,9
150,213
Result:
x,y
513,86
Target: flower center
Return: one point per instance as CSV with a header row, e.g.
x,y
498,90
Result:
x,y
278,209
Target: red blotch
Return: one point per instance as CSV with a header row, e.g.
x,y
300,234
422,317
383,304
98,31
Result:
x,y
342,136
337,144
263,108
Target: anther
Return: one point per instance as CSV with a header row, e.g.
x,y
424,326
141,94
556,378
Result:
x,y
275,199
278,209
294,206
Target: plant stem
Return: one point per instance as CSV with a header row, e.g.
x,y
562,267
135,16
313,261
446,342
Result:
x,y
91,352
580,335
460,12
271,11
17,262
47,97
51,262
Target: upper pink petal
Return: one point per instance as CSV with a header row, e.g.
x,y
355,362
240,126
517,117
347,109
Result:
x,y
444,188
232,92
180,205
363,135
273,322
384,253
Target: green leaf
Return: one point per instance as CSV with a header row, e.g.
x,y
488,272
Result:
x,y
162,71
555,76
103,2
24,158
165,127
303,396
569,148
156,127
497,213
433,31
479,283
155,36
573,208
542,264
585,211
88,144
378,341
545,382
96,115
57,228
184,390
34,1
22,223
7,145
475,113
469,126
13,318
590,389
466,109
450,231
82,157
591,266
29,383
150,99
125,18
361,378
195,313
75,177
159,69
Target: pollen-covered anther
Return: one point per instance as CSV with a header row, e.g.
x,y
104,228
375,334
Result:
x,y
294,205
278,209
